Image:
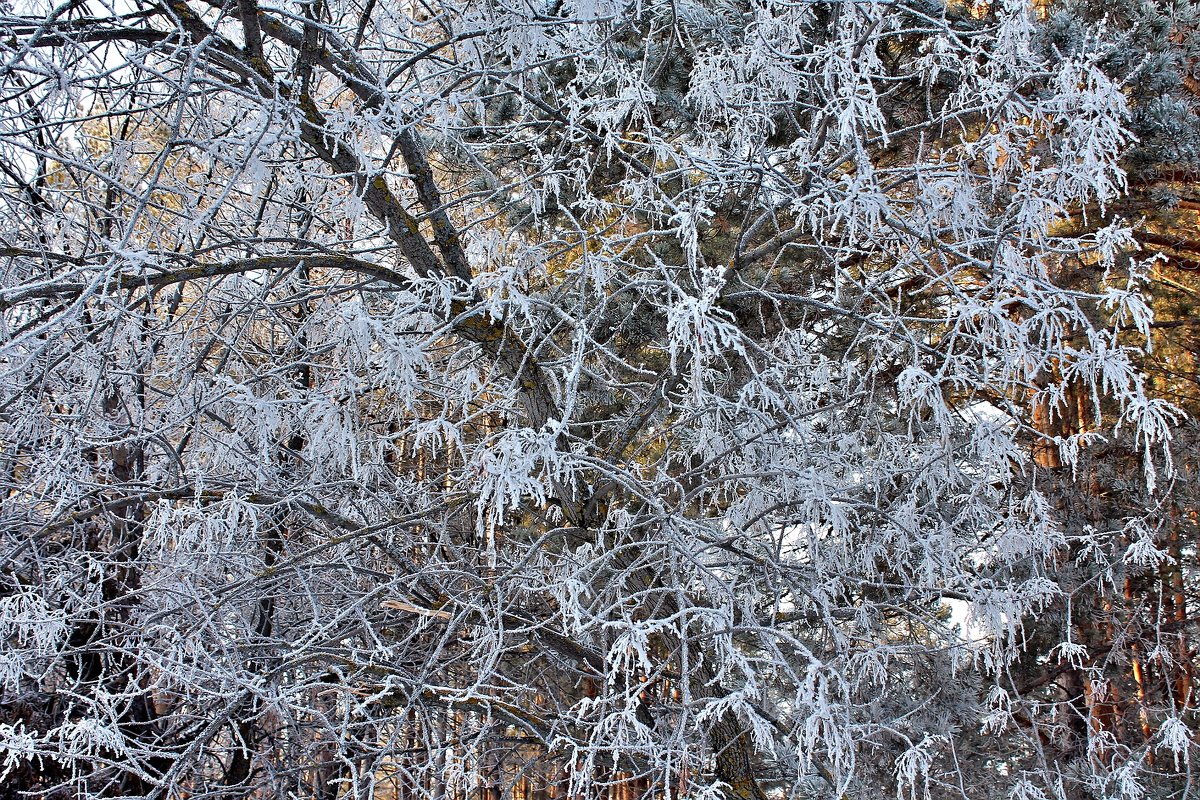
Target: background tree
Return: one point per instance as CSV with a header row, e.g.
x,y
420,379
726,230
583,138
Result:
x,y
1130,684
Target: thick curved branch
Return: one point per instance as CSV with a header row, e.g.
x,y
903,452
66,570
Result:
x,y
124,281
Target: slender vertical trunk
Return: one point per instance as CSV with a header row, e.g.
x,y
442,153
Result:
x,y
1138,670
1173,588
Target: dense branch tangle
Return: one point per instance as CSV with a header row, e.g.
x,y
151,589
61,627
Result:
x,y
538,401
